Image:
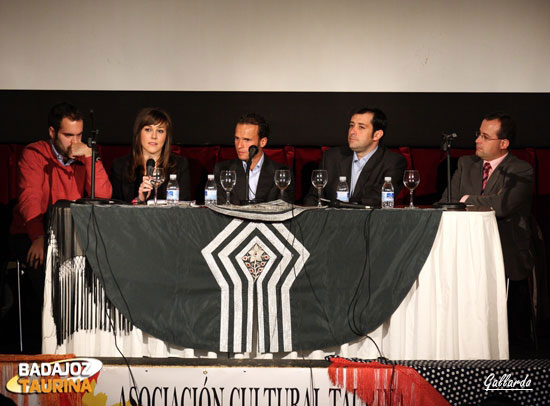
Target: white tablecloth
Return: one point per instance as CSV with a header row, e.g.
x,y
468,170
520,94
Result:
x,y
455,310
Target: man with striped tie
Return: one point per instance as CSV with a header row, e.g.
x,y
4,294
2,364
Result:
x,y
495,178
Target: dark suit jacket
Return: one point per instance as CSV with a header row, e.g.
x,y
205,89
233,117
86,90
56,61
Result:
x,y
267,191
337,161
125,190
509,192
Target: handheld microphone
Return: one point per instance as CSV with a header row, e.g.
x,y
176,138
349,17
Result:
x,y
149,166
345,205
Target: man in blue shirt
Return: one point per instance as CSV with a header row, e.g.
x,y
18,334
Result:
x,y
364,162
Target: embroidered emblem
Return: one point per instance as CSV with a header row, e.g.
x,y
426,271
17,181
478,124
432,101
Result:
x,y
255,260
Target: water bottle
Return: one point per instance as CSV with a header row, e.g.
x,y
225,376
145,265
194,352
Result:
x,y
342,191
210,191
172,190
387,193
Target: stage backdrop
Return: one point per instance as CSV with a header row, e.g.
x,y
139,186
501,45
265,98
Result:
x,y
432,65
296,118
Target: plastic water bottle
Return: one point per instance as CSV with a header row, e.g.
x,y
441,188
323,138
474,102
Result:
x,y
172,190
210,191
342,191
387,193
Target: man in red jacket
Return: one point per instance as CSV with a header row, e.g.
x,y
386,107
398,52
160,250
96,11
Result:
x,y
48,171
52,170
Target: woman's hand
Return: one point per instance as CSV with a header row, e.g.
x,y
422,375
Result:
x,y
145,189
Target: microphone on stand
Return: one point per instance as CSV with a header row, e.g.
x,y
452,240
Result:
x,y
252,152
92,143
448,205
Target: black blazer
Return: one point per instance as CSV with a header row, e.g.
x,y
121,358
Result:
x,y
125,190
267,191
509,192
368,189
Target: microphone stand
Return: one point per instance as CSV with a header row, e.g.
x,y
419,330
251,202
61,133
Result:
x,y
247,201
252,152
92,143
448,205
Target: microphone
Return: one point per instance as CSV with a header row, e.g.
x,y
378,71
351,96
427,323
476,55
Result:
x,y
446,147
345,205
252,151
149,166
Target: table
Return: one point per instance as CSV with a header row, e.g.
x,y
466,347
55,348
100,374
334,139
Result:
x,y
447,302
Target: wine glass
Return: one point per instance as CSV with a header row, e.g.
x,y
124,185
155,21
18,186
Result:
x,y
282,180
319,179
228,179
411,179
156,177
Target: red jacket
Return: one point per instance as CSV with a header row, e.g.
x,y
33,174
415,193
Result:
x,y
43,180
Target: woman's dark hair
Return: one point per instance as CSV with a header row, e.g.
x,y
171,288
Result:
x,y
151,116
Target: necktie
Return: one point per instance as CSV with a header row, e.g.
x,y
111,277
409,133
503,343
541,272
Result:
x,y
486,169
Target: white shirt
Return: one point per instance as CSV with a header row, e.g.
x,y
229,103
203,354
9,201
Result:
x,y
254,177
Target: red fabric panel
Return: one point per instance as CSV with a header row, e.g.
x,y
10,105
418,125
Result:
x,y
176,149
203,157
426,161
5,169
108,153
289,156
543,171
406,152
277,155
457,153
527,154
306,160
226,154
201,163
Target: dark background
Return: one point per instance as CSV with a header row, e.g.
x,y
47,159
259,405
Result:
x,y
296,118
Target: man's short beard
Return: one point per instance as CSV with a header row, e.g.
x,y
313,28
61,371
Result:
x,y
59,147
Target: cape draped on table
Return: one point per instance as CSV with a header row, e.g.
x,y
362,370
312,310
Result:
x,y
200,279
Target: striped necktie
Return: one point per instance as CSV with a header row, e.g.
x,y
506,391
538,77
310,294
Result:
x,y
486,169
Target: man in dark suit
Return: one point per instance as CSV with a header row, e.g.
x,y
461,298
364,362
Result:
x,y
495,178
252,129
364,162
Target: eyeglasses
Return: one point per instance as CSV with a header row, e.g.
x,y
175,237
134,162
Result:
x,y
485,137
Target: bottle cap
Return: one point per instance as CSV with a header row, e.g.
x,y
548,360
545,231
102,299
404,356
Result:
x,y
173,176
387,179
211,177
342,178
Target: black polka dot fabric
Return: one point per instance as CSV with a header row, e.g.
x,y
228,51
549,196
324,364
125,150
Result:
x,y
485,382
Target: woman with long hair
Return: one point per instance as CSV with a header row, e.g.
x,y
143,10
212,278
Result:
x,y
152,139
